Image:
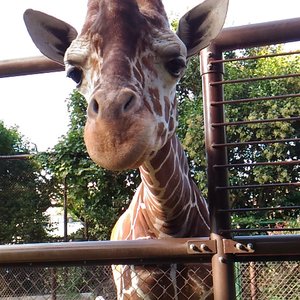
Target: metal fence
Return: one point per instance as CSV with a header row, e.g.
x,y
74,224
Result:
x,y
84,269
247,263
268,280
73,282
221,147
254,280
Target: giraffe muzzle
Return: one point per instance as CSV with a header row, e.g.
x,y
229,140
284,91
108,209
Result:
x,y
119,132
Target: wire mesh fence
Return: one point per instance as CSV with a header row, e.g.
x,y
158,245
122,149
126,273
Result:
x,y
75,282
173,281
97,282
272,280
268,280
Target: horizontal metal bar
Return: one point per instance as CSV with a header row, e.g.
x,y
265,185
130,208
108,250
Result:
x,y
137,250
248,100
16,157
243,58
254,209
255,164
237,144
291,119
248,230
254,186
267,246
257,35
238,37
247,80
28,66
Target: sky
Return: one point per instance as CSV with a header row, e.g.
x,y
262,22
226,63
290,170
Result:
x,y
36,103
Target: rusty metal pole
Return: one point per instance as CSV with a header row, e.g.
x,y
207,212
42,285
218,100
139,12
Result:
x,y
222,264
54,284
65,209
253,283
28,66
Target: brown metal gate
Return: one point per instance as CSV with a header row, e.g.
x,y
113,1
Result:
x,y
242,262
231,248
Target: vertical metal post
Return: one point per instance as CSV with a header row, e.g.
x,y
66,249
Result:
x,y
65,209
222,264
253,283
53,283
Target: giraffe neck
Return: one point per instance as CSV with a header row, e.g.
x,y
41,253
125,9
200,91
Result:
x,y
174,204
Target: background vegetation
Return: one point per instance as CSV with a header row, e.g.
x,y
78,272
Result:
x,y
24,192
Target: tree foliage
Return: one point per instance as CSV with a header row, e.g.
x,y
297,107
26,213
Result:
x,y
265,110
23,192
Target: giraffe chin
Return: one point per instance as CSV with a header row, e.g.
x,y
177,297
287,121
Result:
x,y
118,161
116,153
121,144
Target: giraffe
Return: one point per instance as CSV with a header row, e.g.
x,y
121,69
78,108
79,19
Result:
x,y
126,62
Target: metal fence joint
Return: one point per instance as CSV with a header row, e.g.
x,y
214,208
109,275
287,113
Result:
x,y
201,247
234,247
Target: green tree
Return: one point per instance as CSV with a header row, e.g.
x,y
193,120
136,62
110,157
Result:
x,y
264,110
23,191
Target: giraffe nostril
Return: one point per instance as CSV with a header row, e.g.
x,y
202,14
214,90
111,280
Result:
x,y
93,109
95,106
129,104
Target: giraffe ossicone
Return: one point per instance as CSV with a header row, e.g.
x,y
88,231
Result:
x,y
126,61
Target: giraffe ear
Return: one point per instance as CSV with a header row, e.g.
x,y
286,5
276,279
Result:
x,y
52,36
198,27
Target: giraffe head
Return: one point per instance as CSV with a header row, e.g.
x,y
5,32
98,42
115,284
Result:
x,y
126,62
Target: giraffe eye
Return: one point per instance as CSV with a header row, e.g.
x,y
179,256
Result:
x,y
175,66
75,74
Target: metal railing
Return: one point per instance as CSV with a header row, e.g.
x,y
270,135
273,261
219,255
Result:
x,y
220,186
